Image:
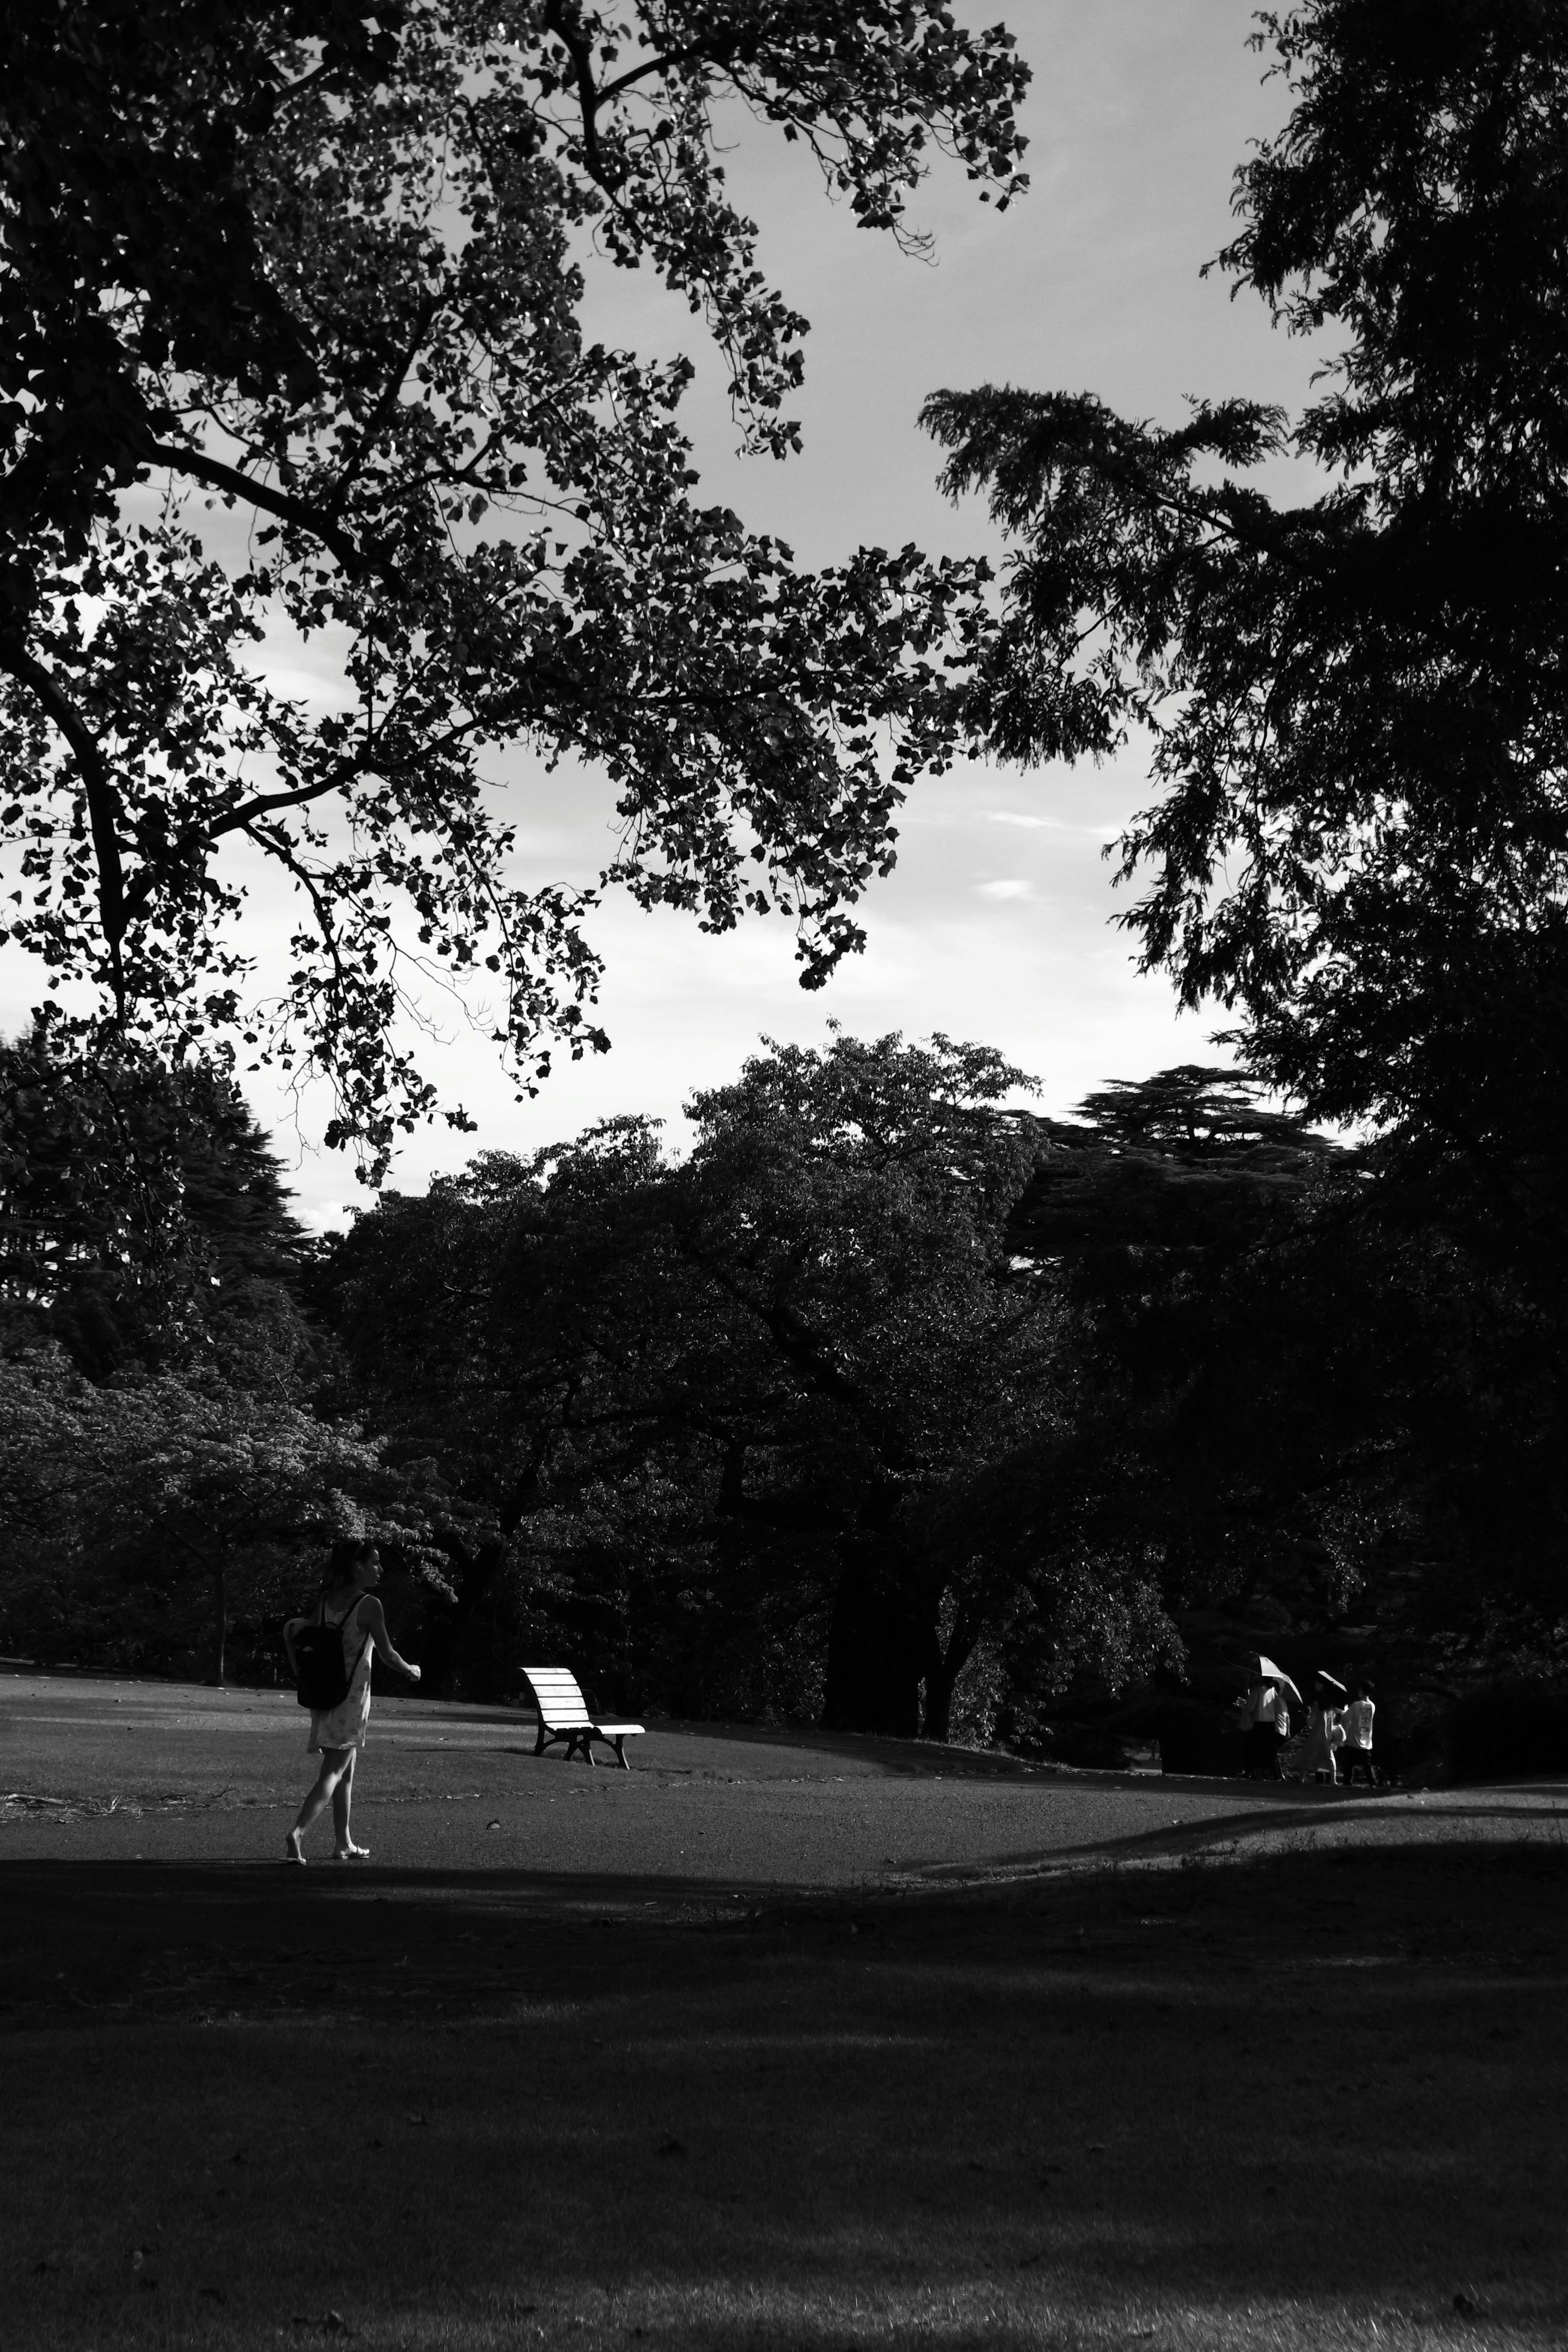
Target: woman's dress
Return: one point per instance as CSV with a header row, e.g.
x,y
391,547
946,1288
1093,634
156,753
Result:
x,y
1321,1742
346,1725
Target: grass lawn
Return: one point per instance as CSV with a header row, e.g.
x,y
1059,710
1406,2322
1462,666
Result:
x,y
1310,2100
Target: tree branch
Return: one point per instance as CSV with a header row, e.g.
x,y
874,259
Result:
x,y
278,845
587,97
234,483
385,404
102,799
794,1341
654,65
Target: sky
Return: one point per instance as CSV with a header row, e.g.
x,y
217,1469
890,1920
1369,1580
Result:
x,y
997,924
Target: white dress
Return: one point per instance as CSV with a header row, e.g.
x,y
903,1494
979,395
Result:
x,y
346,1725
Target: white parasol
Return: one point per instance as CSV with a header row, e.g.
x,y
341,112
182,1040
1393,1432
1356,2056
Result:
x,y
1268,1672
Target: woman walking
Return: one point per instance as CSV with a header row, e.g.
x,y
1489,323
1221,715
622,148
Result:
x,y
337,1734
1325,1732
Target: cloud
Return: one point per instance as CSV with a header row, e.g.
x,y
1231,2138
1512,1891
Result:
x,y
1099,830
1009,889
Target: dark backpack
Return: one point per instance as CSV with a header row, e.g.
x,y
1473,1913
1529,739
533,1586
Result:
x,y
322,1677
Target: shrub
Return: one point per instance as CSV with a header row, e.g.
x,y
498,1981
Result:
x,y
1513,1726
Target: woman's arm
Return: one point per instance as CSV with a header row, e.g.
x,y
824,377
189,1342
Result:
x,y
290,1630
375,1624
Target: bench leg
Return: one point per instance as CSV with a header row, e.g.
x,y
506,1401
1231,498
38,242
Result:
x,y
620,1747
539,1743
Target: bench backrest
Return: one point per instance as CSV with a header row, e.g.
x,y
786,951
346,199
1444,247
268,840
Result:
x,y
560,1703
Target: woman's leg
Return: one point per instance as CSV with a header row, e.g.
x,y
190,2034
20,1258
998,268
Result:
x,y
334,1762
342,1804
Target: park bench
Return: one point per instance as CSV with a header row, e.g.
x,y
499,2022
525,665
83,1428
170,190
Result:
x,y
564,1715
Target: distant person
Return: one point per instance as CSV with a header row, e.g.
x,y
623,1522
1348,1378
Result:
x,y
1325,1732
1281,1731
348,1602
1355,1756
1265,1740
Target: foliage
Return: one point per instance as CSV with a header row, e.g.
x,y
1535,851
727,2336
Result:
x,y
130,1160
325,268
1300,1405
1353,1400
890,1404
894,1405
165,1471
1356,702
718,1399
138,1515
1169,1471
1516,1727
140,1206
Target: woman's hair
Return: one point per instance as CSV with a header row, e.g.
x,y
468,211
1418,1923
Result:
x,y
349,1553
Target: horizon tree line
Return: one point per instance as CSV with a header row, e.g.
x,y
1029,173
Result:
x,y
892,1406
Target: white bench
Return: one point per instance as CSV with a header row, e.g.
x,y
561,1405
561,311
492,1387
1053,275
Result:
x,y
564,1715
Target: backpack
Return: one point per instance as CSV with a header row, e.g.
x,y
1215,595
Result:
x,y
322,1677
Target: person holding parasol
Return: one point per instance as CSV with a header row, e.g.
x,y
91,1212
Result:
x,y
1325,1730
1270,1725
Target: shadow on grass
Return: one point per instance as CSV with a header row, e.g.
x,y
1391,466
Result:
x,y
1292,2102
1375,1823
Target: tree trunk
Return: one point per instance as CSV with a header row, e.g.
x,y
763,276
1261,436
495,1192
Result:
x,y
476,1574
877,1651
940,1679
943,1669
478,1571
220,1624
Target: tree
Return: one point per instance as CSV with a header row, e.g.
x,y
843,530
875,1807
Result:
x,y
1226,1395
140,1204
755,1373
138,1513
851,1207
1357,704
472,1321
323,268
1299,1404
161,1460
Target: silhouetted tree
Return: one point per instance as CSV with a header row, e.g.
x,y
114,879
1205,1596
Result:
x,y
1295,1393
324,265
765,1363
1357,704
161,1452
139,1202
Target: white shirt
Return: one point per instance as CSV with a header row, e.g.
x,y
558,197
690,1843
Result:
x,y
1358,1717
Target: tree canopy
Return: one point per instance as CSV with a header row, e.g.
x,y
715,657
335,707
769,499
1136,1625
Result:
x,y
891,1404
167,1471
1298,1396
1357,702
324,268
739,1383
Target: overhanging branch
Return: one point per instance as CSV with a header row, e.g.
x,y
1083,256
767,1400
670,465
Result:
x,y
102,799
233,482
